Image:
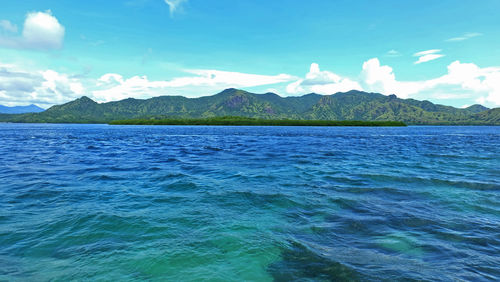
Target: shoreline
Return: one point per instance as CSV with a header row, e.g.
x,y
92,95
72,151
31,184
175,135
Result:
x,y
238,121
114,123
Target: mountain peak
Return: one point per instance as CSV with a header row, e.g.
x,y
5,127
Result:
x,y
233,91
85,99
79,104
476,108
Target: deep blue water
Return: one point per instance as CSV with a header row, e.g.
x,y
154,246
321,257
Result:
x,y
98,202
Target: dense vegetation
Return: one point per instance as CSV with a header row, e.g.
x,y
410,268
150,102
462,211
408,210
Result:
x,y
352,105
230,120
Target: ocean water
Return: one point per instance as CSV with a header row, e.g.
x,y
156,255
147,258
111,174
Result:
x,y
180,203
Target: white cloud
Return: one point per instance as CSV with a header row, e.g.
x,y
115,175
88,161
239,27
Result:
x,y
8,26
322,82
422,53
41,30
174,5
465,36
112,87
229,79
381,79
463,80
470,77
426,56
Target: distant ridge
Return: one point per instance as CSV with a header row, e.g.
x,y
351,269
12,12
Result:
x,y
476,108
352,105
20,109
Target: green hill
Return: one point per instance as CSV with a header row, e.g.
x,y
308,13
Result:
x,y
476,108
352,105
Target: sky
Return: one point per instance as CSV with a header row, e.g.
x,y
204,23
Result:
x,y
52,52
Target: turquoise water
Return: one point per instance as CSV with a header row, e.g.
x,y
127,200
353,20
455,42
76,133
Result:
x,y
98,202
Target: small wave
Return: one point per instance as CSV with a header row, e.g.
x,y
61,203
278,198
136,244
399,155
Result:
x,y
476,185
216,149
181,185
104,177
169,176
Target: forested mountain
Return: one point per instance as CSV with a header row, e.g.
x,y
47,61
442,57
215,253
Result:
x,y
352,105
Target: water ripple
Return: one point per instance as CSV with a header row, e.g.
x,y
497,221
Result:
x,y
97,202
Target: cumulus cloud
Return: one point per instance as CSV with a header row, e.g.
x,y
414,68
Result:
x,y
483,81
322,82
465,36
174,5
8,26
463,80
41,30
381,79
429,55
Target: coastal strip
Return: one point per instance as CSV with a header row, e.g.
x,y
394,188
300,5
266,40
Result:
x,y
243,121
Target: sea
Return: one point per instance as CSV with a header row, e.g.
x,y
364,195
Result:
x,y
238,203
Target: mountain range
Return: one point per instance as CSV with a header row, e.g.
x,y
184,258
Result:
x,y
352,105
20,109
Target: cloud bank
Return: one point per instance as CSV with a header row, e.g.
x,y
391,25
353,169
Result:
x,y
202,82
48,87
464,81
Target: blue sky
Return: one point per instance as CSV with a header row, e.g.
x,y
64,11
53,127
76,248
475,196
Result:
x,y
54,51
